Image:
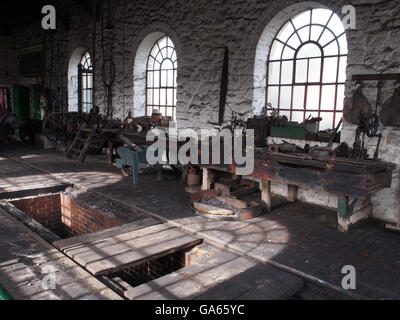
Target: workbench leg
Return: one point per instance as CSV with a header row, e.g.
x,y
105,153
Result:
x,y
343,214
110,152
349,213
292,193
266,194
206,179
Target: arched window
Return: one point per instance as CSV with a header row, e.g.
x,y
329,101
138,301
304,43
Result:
x,y
306,68
86,83
161,78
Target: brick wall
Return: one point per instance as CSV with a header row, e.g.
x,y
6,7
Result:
x,y
65,216
46,210
78,219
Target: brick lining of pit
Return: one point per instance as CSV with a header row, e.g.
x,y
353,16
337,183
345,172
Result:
x,y
63,215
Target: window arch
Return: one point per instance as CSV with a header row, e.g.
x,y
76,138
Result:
x,y
161,78
85,83
306,68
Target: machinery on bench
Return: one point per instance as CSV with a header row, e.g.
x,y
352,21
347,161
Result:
x,y
348,173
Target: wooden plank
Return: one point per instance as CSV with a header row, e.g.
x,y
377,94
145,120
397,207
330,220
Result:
x,y
224,277
132,258
180,284
281,288
260,282
137,235
79,240
292,193
96,253
266,199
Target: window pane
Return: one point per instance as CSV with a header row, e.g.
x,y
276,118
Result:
x,y
170,78
343,44
301,71
164,53
297,116
309,50
163,97
274,71
150,64
273,96
164,75
288,53
276,51
336,25
150,77
149,96
167,65
340,97
330,70
294,41
314,70
285,33
316,32
313,97
311,114
327,120
169,112
159,57
326,37
287,72
170,94
156,100
302,19
339,116
175,83
328,97
163,42
173,56
342,69
331,49
321,16
304,34
298,97
156,79
286,97
285,113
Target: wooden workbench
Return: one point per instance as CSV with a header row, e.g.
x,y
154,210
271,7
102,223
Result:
x,y
354,182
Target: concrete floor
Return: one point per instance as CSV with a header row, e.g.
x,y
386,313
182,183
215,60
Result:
x,y
26,261
298,236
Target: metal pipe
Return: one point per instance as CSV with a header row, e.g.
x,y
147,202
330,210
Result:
x,y
4,295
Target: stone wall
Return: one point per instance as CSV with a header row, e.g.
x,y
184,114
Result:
x,y
200,30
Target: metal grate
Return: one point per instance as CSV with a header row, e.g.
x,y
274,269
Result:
x,y
146,272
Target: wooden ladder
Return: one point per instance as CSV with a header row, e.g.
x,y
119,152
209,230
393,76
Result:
x,y
80,146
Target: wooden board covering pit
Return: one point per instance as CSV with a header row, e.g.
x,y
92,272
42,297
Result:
x,y
109,251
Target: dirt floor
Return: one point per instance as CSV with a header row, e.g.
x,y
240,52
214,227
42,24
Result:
x,y
298,235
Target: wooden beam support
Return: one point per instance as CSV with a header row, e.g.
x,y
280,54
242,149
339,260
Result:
x,y
376,77
292,193
266,199
206,179
349,213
